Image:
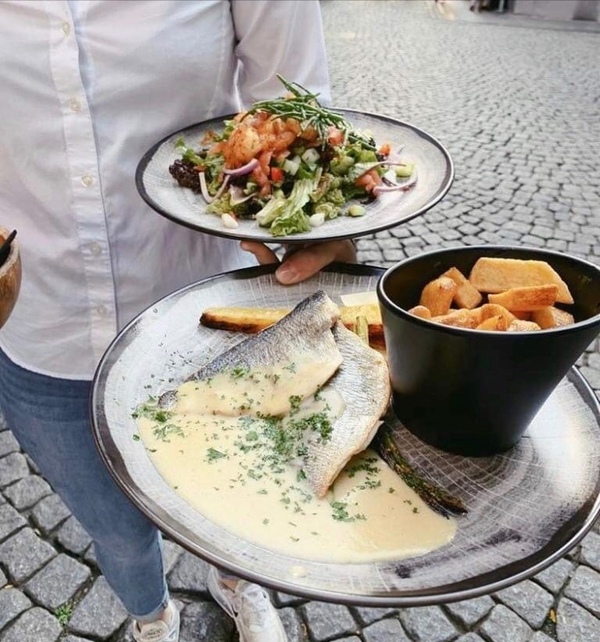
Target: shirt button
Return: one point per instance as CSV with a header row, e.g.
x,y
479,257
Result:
x,y
66,27
95,249
102,310
74,104
87,180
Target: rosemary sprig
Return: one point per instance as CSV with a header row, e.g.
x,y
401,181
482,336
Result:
x,y
304,106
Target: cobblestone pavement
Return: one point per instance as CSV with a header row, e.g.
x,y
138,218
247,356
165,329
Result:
x,y
516,103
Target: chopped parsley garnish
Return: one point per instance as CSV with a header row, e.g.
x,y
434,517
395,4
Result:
x,y
213,454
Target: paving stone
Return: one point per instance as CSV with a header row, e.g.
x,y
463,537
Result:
x,y
99,614
24,553
10,521
556,575
13,468
469,637
469,612
8,443
3,580
540,636
205,621
12,603
528,600
368,615
27,492
385,631
57,582
74,638
575,624
427,624
327,621
503,625
49,513
294,626
590,550
189,574
36,625
584,588
73,536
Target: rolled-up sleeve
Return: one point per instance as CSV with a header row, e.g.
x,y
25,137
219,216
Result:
x,y
279,37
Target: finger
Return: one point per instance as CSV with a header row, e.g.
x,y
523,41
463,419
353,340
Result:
x,y
262,253
306,262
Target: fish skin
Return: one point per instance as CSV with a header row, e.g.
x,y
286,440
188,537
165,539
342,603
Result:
x,y
363,381
305,331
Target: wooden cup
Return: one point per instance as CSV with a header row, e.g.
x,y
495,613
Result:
x,y
10,278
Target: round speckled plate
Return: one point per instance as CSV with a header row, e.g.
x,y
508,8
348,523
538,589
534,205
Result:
x,y
527,507
433,165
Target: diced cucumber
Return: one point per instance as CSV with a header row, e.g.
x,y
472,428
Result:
x,y
404,171
291,165
356,210
311,156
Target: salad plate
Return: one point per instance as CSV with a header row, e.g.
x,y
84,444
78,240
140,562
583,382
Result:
x,y
433,171
526,507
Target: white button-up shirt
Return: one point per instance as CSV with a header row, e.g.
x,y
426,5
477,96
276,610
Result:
x,y
86,89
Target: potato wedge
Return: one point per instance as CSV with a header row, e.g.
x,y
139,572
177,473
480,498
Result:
x,y
498,323
489,310
420,311
467,296
519,325
526,298
493,275
437,295
462,318
552,317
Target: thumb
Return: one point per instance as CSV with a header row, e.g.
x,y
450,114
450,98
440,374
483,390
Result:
x,y
262,253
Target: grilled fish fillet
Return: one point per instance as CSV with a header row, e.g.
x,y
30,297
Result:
x,y
364,384
323,351
302,337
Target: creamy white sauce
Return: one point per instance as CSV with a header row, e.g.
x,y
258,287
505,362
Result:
x,y
244,472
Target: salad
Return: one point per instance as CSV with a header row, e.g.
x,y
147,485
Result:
x,y
290,164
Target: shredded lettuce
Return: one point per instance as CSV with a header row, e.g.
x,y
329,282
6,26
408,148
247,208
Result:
x,y
284,215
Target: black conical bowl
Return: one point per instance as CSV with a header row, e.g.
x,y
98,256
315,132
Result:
x,y
472,392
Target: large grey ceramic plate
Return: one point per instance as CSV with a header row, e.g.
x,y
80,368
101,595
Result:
x,y
182,205
527,507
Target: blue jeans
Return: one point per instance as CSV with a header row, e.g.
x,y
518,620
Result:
x,y
50,419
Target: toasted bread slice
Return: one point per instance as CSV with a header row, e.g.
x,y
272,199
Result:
x,y
526,298
552,317
467,296
493,275
438,294
252,320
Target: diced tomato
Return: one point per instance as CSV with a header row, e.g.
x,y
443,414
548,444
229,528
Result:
x,y
276,174
385,149
368,180
335,136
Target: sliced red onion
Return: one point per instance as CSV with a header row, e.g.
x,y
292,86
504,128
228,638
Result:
x,y
244,169
204,188
380,189
237,196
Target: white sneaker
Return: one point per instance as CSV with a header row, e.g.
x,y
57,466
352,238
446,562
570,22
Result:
x,y
248,604
160,630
